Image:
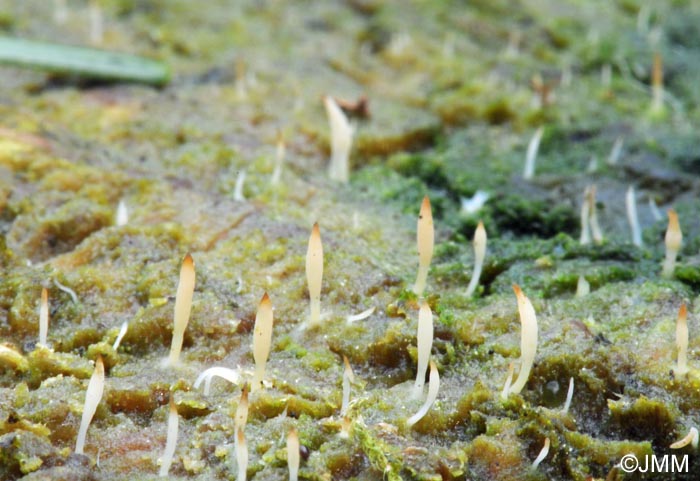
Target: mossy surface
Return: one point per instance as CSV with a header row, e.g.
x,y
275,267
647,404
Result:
x,y
455,92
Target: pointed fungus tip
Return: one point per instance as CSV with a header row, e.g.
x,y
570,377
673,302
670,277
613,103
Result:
x,y
425,208
683,312
188,261
517,290
265,300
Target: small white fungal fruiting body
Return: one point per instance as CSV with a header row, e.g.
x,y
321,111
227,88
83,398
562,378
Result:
x,y
479,255
542,455
585,214
528,339
341,141
674,239
44,317
241,455
569,396
280,154
238,188
230,375
657,85
583,288
433,388
122,217
262,340
616,151
314,274
690,438
348,377
426,241
171,439
509,381
293,454
632,217
425,344
120,336
682,341
596,232
183,306
93,395
531,155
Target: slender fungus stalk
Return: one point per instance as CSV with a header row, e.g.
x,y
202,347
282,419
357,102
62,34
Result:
x,y
528,339
682,340
479,255
509,381
93,395
293,455
657,84
531,155
593,216
314,274
122,217
426,241
171,440
341,141
96,23
654,209
262,339
348,377
238,188
585,214
632,217
279,160
230,375
183,305
120,336
616,151
542,455
690,438
583,288
425,344
433,387
241,455
44,317
674,239
569,396
242,410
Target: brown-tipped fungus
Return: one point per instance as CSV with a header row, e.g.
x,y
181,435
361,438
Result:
x,y
262,340
183,305
674,239
528,339
542,455
93,395
44,317
241,455
426,240
314,274
479,255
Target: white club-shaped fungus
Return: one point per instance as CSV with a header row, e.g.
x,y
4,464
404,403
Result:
x,y
341,141
361,316
583,288
262,340
425,344
44,317
293,454
241,455
93,396
531,155
426,240
122,217
585,214
433,388
528,339
183,305
314,274
674,239
690,438
280,154
616,151
171,440
596,232
120,336
569,396
632,217
479,255
682,341
542,455
348,377
509,381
